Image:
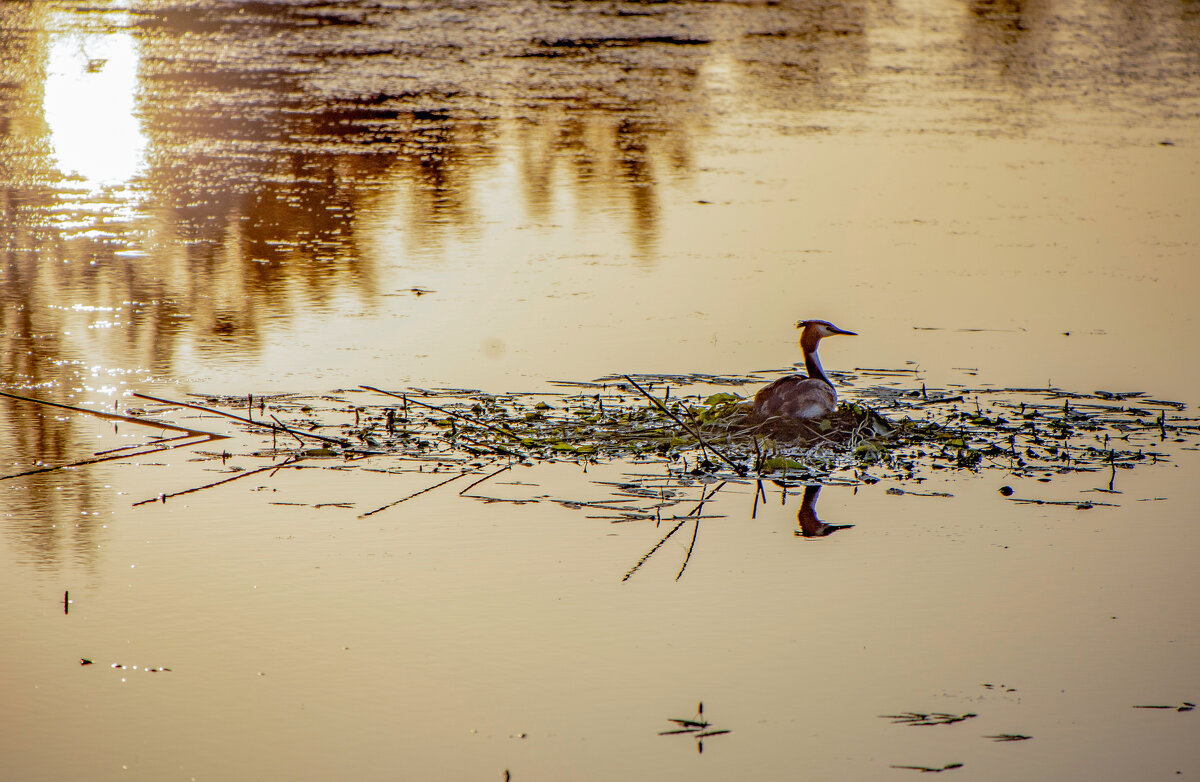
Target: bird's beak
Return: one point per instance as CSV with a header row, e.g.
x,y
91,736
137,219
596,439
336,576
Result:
x,y
836,330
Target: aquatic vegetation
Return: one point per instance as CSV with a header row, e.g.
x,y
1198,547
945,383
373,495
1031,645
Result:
x,y
1185,706
920,720
677,440
700,428
932,769
698,728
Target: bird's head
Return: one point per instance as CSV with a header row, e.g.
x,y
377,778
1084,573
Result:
x,y
812,331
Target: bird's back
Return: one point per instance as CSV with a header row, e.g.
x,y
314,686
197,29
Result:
x,y
796,396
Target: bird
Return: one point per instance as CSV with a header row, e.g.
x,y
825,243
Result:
x,y
797,396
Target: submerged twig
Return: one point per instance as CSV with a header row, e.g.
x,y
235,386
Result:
x,y
739,469
650,553
414,494
444,411
115,416
238,476
154,447
289,431
484,478
243,419
159,444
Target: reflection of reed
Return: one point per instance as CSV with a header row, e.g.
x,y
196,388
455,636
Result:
x,y
695,515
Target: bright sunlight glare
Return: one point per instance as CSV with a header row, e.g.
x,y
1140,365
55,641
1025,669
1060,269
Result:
x,y
89,105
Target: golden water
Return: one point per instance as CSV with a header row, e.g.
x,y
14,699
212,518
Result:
x,y
202,199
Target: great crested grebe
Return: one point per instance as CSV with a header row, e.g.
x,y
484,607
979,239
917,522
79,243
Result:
x,y
797,396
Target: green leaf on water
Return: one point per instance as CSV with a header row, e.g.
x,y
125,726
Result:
x,y
781,463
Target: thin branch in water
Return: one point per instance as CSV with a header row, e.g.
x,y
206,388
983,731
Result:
x,y
691,547
152,448
158,442
739,469
284,428
239,476
939,400
414,494
1081,504
758,492
650,553
484,478
444,411
703,499
693,512
116,417
243,419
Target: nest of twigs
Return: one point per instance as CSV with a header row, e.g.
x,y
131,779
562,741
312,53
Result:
x,y
851,425
1022,431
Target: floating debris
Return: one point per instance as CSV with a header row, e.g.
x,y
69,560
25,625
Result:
x,y
932,769
1004,687
1009,737
1185,706
699,728
919,719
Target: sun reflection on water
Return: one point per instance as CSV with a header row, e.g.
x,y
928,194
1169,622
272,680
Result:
x,y
91,84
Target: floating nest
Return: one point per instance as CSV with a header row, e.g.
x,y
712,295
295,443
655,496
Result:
x,y
888,430
734,423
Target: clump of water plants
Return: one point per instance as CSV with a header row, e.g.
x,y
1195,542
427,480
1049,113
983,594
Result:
x,y
687,428
702,424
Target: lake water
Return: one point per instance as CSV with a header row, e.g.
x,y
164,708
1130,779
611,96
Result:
x,y
205,198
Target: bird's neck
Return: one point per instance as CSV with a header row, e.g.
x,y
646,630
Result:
x,y
813,365
810,525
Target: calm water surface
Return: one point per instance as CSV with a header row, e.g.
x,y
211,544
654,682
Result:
x,y
233,198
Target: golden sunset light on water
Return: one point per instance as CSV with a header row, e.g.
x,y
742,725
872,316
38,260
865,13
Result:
x,y
377,381
91,89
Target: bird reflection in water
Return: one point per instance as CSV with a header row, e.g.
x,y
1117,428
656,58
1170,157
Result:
x,y
809,525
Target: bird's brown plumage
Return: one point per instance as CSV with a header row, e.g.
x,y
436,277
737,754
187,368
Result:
x,y
796,396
